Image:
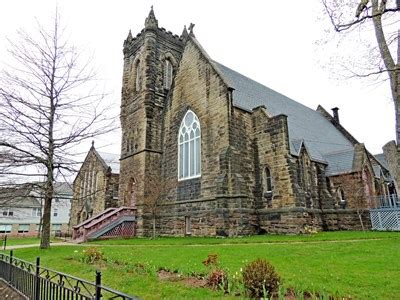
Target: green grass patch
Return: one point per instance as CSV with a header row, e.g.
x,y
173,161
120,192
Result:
x,y
322,236
16,241
356,264
13,241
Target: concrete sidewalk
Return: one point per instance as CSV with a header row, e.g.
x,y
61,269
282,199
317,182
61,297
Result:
x,y
37,245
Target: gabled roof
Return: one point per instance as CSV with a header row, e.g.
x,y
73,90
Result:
x,y
339,162
318,134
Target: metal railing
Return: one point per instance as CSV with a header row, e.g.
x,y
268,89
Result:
x,y
38,283
84,230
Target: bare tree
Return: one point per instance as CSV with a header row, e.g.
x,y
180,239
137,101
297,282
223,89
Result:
x,y
48,105
383,17
158,190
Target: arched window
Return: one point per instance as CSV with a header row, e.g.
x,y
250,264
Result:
x,y
189,147
268,180
341,195
168,70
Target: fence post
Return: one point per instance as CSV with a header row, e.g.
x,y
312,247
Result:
x,y
98,285
10,267
5,242
37,279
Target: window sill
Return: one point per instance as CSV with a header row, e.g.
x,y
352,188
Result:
x,y
189,178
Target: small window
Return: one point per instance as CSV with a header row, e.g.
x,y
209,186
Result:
x,y
168,70
188,226
55,212
8,213
36,212
5,228
341,195
22,228
268,180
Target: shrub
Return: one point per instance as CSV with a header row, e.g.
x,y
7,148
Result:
x,y
92,255
260,279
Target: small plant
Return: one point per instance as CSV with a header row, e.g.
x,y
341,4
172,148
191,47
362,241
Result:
x,y
211,260
260,279
217,277
310,230
92,255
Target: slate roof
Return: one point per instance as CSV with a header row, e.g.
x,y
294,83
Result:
x,y
339,162
321,138
111,160
381,158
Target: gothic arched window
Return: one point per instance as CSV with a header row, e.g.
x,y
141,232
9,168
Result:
x,y
268,180
189,144
168,70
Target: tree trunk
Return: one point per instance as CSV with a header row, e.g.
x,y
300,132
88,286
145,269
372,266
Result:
x,y
40,229
45,238
154,227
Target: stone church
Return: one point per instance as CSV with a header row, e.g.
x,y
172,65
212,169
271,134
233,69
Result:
x,y
244,158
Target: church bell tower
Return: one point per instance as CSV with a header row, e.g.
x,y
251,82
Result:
x,y
151,60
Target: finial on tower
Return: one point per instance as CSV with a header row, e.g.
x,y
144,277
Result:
x,y
151,21
130,37
191,29
92,143
184,34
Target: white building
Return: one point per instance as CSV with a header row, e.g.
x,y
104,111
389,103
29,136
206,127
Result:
x,y
21,209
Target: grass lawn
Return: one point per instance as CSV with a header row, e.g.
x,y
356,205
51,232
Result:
x,y
13,241
356,264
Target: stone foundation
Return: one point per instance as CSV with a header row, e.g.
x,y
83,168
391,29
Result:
x,y
211,217
295,220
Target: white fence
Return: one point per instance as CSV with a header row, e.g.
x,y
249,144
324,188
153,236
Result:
x,y
386,215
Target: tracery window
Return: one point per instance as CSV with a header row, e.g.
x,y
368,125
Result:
x,y
168,70
189,148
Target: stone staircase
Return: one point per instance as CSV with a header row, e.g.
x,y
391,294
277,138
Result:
x,y
111,223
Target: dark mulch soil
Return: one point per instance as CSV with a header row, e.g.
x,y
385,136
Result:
x,y
189,281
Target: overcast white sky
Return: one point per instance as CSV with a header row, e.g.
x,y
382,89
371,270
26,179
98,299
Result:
x,y
272,42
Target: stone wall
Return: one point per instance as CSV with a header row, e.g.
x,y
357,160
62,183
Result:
x,y
220,202
271,142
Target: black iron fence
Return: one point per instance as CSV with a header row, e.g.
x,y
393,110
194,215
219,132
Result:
x,y
39,283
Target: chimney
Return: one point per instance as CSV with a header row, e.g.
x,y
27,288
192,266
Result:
x,y
336,114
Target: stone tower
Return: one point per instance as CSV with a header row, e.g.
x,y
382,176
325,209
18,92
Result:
x,y
150,61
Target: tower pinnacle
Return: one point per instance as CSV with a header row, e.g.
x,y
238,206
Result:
x,y
151,21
